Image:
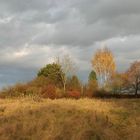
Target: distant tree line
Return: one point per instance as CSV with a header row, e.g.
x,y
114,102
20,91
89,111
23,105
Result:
x,y
59,80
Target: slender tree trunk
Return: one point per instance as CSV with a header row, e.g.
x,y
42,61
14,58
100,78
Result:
x,y
82,90
64,87
136,90
64,83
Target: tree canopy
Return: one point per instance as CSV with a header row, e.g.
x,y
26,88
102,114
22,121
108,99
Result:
x,y
104,65
73,83
92,76
53,72
133,75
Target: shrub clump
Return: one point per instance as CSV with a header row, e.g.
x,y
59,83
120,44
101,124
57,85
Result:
x,y
49,91
74,94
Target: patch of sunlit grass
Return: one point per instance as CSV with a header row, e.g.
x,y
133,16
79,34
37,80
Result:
x,y
27,118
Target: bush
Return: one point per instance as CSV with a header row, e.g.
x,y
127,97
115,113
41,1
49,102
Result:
x,y
73,83
15,91
49,91
90,89
59,93
40,82
90,93
2,96
101,93
74,94
32,90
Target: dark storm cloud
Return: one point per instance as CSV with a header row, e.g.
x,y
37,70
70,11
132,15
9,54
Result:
x,y
33,32
73,22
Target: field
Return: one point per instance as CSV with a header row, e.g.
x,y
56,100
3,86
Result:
x,y
67,119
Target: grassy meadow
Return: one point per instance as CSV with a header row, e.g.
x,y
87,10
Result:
x,y
69,119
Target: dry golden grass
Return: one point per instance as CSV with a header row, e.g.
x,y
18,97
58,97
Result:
x,y
67,119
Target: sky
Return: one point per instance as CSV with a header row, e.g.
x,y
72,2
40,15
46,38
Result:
x,y
34,32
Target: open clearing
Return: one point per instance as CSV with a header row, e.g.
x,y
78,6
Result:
x,y
67,119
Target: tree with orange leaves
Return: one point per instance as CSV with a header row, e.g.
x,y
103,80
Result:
x,y
133,75
104,65
119,82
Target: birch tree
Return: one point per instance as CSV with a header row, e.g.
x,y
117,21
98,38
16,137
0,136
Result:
x,y
68,68
104,65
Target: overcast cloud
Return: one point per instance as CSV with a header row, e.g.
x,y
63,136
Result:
x,y
34,32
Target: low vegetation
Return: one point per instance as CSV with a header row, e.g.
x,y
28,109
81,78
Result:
x,y
68,119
